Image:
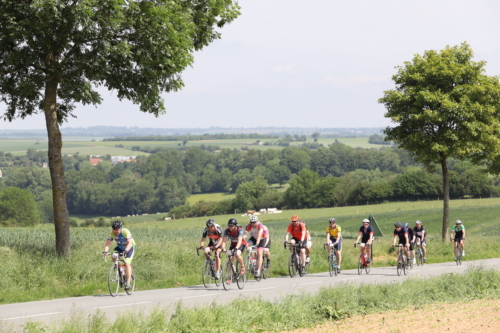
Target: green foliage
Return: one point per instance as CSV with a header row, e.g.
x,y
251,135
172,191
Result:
x,y
17,207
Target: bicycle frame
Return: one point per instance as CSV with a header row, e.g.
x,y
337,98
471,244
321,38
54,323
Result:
x,y
362,262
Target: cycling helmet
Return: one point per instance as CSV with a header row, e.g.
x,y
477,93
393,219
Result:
x,y
210,223
405,225
418,222
231,222
366,221
458,222
294,218
397,224
117,225
332,220
253,219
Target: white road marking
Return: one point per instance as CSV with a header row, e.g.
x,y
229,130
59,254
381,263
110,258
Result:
x,y
433,269
303,284
37,315
244,291
197,296
114,306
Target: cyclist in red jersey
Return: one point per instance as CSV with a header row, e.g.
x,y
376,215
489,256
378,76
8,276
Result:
x,y
298,232
214,232
238,243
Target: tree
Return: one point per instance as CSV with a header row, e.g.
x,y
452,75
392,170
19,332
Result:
x,y
18,207
445,106
248,193
315,136
54,53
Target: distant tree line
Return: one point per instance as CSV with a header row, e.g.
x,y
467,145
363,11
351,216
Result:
x,y
161,182
206,136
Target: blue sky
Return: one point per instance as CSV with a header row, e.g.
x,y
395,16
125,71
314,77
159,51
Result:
x,y
316,63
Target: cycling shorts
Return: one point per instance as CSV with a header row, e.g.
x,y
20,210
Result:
x,y
262,244
129,254
241,248
338,246
423,243
458,239
268,246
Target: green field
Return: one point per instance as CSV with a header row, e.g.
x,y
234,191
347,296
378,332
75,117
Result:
x,y
85,146
166,255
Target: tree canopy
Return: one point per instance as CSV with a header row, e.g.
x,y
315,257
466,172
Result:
x,y
445,106
55,53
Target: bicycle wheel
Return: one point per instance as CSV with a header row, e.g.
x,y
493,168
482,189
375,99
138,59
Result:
x,y
266,270
331,265
360,265
411,263
132,281
249,268
113,281
368,267
218,281
400,265
305,269
420,258
292,268
206,273
241,279
227,276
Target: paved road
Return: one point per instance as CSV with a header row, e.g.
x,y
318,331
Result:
x,y
53,310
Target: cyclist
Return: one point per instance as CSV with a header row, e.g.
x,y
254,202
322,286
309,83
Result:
x,y
411,238
334,236
238,243
366,235
298,232
402,233
125,245
421,236
214,232
259,238
308,243
458,236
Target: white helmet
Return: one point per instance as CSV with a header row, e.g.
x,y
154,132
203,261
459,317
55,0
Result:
x,y
366,221
253,218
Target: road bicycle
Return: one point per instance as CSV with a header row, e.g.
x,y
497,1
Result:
x,y
208,270
363,262
232,271
403,264
333,266
251,264
116,275
459,249
295,261
419,253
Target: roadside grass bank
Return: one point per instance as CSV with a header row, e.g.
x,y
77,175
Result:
x,y
166,257
291,311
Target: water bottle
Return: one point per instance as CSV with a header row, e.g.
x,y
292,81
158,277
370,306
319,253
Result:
x,y
254,262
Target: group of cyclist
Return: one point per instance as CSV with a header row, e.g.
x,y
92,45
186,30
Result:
x,y
260,238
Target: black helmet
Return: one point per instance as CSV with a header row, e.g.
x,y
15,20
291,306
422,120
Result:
x,y
397,224
232,222
210,223
117,225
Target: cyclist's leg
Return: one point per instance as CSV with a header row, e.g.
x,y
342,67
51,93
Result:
x,y
463,246
239,257
338,252
424,250
268,251
128,261
260,250
217,259
455,244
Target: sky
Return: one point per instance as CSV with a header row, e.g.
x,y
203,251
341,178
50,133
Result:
x,y
296,63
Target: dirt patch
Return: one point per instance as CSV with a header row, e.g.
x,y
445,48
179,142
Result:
x,y
478,316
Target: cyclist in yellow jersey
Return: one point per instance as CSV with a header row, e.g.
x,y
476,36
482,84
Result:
x,y
125,244
334,236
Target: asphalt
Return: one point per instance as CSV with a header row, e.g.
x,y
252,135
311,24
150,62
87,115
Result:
x,y
52,311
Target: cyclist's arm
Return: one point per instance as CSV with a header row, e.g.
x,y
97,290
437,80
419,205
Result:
x,y
452,234
423,236
303,235
106,246
394,240
202,242
339,236
463,234
223,242
327,237
359,236
240,240
259,237
286,236
407,240
130,244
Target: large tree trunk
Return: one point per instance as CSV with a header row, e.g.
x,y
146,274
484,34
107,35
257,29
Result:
x,y
446,199
56,170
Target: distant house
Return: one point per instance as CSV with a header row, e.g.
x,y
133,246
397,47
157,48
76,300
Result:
x,y
257,143
95,161
120,159
45,165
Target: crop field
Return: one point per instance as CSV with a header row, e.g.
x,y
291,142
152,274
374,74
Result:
x,y
85,145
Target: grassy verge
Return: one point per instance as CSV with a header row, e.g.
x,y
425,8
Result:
x,y
291,312
166,257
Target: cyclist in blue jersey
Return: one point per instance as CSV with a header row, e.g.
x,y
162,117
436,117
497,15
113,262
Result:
x,y
125,244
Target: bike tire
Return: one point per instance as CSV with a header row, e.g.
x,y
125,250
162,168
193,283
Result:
x,y
331,265
292,268
206,274
218,281
400,265
459,259
227,276
114,280
249,268
360,265
266,272
411,263
368,267
132,281
420,258
241,278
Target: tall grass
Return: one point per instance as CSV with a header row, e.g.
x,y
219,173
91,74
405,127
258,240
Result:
x,y
293,311
166,257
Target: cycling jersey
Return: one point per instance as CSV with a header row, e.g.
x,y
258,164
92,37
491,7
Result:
x,y
122,239
366,232
254,228
334,232
234,235
401,234
296,230
419,232
459,232
214,235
